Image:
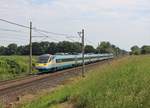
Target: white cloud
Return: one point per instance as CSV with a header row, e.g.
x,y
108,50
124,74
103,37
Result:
x,y
124,22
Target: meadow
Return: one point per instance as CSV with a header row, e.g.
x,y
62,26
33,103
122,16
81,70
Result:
x,y
123,83
14,66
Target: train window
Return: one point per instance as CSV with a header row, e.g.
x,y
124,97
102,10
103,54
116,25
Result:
x,y
58,60
64,60
73,59
43,59
84,58
94,57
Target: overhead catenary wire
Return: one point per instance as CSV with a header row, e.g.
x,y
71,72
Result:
x,y
90,42
11,30
33,28
13,23
42,32
13,33
46,36
13,36
71,39
39,31
48,32
8,37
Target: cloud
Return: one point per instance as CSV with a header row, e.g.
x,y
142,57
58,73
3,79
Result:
x,y
115,20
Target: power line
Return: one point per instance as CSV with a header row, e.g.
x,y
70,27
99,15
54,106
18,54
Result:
x,y
48,32
21,39
11,30
44,35
36,29
14,23
48,36
90,42
7,37
43,39
72,38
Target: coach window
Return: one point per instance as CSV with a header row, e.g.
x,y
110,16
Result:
x,y
58,60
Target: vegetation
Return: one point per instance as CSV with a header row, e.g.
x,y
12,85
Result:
x,y
145,49
13,66
60,47
135,50
106,47
121,84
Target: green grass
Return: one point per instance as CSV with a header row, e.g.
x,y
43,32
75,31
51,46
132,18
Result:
x,y
13,66
124,83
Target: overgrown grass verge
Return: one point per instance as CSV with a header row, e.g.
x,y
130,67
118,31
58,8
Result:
x,y
124,83
13,66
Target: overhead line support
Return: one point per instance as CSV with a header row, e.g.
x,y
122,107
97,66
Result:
x,y
83,52
30,45
81,34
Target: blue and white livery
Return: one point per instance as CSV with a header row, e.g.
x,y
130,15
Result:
x,y
47,62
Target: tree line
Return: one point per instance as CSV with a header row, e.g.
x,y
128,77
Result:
x,y
136,50
59,47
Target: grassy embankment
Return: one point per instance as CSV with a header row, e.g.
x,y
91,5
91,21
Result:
x,y
124,83
13,66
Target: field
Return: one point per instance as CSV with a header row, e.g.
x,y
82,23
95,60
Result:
x,y
124,83
13,66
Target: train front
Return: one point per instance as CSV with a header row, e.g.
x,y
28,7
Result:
x,y
44,63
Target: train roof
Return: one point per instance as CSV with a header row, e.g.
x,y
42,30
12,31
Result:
x,y
45,55
63,56
79,55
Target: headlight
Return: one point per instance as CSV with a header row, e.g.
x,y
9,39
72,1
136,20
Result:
x,y
45,64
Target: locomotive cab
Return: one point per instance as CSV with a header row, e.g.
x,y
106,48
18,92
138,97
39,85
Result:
x,y
44,62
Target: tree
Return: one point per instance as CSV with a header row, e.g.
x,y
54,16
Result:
x,y
23,50
37,49
45,45
11,49
89,49
52,48
2,50
69,47
135,50
76,47
145,49
105,47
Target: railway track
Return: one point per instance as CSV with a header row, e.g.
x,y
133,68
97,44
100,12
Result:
x,y
11,90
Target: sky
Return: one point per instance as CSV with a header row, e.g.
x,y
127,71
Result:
x,y
122,22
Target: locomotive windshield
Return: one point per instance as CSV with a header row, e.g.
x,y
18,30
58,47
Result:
x,y
43,59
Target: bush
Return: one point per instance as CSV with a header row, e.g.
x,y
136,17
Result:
x,y
13,66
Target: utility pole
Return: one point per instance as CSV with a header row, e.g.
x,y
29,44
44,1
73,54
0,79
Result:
x,y
81,34
83,48
30,45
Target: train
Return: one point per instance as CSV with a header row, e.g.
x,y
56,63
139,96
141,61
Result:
x,y
50,63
